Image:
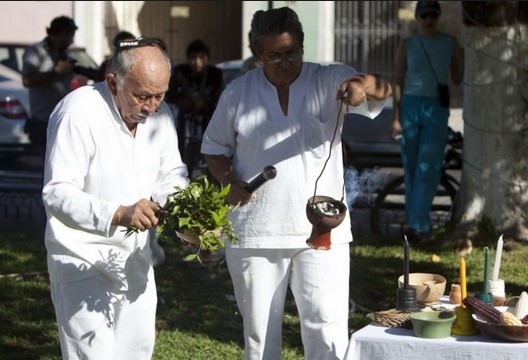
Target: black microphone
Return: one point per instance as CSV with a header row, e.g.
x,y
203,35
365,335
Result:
x,y
268,173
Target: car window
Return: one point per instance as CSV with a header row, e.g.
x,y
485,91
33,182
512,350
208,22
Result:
x,y
230,70
19,53
11,56
8,73
231,74
82,58
4,55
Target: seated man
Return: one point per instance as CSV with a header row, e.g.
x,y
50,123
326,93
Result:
x,y
194,89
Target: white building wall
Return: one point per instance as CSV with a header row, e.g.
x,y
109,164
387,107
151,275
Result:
x,y
26,21
89,17
317,18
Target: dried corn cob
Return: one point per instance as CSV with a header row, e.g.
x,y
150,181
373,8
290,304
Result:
x,y
483,310
508,318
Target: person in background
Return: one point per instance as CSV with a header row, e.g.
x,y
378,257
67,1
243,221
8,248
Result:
x,y
47,72
112,158
423,61
122,35
194,89
288,114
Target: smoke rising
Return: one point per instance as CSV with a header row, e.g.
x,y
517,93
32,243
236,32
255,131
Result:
x,y
361,186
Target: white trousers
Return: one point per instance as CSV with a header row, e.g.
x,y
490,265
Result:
x,y
319,281
97,323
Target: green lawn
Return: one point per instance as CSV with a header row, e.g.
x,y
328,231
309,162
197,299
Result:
x,y
197,316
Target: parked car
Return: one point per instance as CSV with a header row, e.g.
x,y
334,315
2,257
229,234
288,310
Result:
x,y
231,70
14,97
14,107
86,68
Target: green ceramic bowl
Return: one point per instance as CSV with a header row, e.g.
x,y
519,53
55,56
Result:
x,y
432,324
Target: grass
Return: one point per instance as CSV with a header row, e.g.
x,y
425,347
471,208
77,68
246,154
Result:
x,y
197,315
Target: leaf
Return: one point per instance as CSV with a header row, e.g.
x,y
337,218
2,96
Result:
x,y
200,208
191,257
129,231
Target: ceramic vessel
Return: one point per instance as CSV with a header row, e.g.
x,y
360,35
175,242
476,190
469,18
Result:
x,y
455,296
464,324
497,290
324,213
517,333
432,324
429,287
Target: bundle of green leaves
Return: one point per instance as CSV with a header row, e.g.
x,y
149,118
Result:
x,y
199,210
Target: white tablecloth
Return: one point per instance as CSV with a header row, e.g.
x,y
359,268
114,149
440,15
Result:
x,y
381,343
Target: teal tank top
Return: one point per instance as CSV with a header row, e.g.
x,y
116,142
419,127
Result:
x,y
420,79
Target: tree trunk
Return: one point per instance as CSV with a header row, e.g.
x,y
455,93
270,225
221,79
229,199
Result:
x,y
494,182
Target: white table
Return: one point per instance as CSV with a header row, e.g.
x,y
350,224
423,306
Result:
x,y
382,343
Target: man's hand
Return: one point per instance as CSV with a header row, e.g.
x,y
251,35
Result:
x,y
63,67
142,215
352,91
356,89
238,194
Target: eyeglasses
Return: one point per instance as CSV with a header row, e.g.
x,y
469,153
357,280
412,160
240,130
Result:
x,y
140,42
429,14
291,56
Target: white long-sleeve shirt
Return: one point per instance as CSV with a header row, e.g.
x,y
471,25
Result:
x,y
250,128
93,165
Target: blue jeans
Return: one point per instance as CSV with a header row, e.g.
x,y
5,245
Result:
x,y
424,126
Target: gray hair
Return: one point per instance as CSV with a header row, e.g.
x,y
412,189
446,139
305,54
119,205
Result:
x,y
274,22
124,57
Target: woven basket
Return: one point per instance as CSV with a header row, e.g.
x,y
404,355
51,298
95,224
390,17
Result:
x,y
392,318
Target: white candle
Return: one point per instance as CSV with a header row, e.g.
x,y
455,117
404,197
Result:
x,y
498,256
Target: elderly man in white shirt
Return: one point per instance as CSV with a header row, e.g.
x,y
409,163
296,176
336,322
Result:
x,y
112,158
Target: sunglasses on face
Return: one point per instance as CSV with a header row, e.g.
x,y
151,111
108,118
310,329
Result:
x,y
139,42
427,15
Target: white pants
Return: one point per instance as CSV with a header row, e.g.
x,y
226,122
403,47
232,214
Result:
x,y
319,281
97,323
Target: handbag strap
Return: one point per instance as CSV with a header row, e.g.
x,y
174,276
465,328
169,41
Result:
x,y
429,60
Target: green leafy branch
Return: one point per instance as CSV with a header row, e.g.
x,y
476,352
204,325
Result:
x,y
199,210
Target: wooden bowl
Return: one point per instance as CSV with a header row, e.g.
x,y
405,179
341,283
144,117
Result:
x,y
429,287
515,333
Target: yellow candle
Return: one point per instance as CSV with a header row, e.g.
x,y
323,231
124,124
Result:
x,y
463,289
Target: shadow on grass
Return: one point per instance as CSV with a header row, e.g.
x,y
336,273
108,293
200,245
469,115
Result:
x,y
198,302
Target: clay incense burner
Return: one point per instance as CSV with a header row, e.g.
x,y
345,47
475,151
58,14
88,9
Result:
x,y
324,213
